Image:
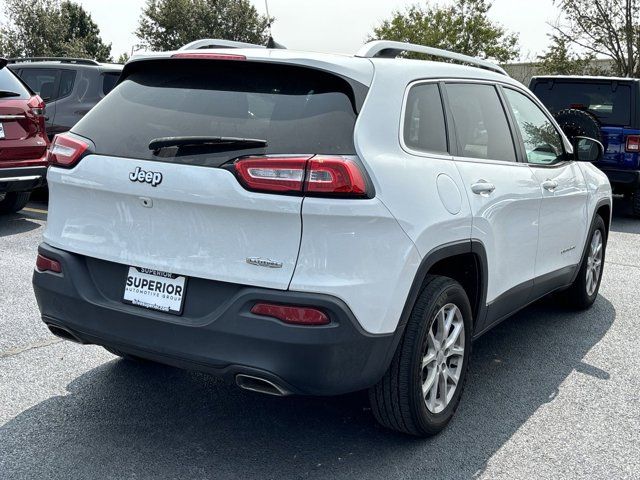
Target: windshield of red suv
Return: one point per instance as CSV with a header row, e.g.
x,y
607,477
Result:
x,y
9,84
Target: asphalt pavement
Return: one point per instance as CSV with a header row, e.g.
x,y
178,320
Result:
x,y
551,394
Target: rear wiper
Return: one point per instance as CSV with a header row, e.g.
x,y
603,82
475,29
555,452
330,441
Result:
x,y
7,93
163,142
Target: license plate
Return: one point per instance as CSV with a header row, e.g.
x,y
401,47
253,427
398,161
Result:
x,y
1,131
155,290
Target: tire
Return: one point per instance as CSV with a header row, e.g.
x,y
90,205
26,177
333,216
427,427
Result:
x,y
635,203
14,202
580,294
578,123
397,400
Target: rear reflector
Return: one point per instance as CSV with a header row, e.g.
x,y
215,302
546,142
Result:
x,y
66,151
317,175
292,315
209,56
45,264
633,143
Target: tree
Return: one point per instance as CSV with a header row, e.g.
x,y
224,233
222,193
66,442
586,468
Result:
x,y
50,28
123,58
170,24
462,27
610,28
560,60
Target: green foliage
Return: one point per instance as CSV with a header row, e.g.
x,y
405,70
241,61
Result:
x,y
560,60
609,28
123,58
462,27
50,28
170,24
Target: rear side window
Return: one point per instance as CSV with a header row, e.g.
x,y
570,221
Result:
x,y
296,110
424,124
67,79
43,81
10,86
609,101
109,81
482,130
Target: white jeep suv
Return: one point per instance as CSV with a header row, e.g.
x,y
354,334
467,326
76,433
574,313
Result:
x,y
317,224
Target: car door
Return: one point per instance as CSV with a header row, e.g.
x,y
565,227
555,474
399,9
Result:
x,y
563,214
504,194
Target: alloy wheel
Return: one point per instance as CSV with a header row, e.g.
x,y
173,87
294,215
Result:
x,y
443,358
594,262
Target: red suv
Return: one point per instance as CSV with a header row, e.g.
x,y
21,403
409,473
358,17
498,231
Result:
x,y
23,141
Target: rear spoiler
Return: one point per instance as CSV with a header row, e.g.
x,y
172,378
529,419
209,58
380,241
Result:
x,y
3,62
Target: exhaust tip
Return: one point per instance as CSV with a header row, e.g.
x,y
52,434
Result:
x,y
260,385
64,333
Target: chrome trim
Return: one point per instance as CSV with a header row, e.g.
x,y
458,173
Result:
x,y
26,178
8,118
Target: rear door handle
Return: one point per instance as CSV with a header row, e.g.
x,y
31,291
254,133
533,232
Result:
x,y
550,185
482,187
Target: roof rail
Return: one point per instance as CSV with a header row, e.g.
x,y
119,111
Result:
x,y
217,43
389,49
79,61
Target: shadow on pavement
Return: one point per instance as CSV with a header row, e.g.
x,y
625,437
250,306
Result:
x,y
15,224
126,420
623,220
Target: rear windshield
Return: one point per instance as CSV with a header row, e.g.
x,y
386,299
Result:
x,y
295,109
9,84
610,102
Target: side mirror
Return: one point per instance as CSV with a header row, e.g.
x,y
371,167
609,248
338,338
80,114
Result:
x,y
587,149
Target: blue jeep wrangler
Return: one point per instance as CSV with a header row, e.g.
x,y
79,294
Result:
x,y
604,108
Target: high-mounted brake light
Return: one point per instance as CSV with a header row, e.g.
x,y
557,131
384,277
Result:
x,y
292,314
209,56
46,264
66,151
633,144
318,175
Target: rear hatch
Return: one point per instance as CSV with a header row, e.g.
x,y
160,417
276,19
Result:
x,y
612,102
177,206
22,139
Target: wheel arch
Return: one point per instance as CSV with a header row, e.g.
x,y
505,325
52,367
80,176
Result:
x,y
465,262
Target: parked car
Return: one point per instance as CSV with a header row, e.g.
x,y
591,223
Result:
x,y
69,86
605,108
23,141
317,224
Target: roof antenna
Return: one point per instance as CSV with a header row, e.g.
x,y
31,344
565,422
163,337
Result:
x,y
271,43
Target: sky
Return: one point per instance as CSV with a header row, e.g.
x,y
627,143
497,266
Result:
x,y
331,25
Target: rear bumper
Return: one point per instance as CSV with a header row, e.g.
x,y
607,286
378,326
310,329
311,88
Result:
x,y
629,179
216,333
22,179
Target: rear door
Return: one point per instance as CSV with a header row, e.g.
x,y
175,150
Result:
x,y
198,220
20,136
504,194
610,101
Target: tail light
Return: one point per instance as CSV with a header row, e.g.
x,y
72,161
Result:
x,y
38,109
633,143
66,151
46,264
292,314
318,175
